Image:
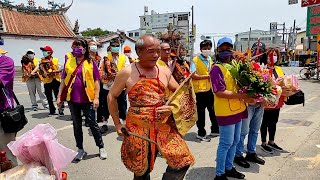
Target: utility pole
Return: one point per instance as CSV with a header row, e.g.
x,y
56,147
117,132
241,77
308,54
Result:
x,y
249,38
192,36
294,39
284,31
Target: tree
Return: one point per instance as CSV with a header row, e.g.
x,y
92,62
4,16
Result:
x,y
95,32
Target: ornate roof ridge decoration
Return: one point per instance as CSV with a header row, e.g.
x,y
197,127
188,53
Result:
x,y
32,9
173,37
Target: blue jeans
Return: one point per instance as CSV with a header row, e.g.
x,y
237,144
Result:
x,y
229,138
250,126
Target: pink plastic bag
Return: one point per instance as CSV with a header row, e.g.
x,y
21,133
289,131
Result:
x,y
41,145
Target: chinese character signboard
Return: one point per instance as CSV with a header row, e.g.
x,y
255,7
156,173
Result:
x,y
313,21
307,3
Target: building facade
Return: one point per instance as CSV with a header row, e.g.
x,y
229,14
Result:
x,y
271,39
158,23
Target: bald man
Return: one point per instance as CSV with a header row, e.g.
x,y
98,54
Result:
x,y
165,58
148,116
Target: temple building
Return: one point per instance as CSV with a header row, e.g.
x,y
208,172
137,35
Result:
x,y
24,27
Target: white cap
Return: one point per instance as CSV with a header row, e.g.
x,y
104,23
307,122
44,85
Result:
x,y
30,50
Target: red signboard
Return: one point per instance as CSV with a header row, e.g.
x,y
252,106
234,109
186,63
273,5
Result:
x,y
306,3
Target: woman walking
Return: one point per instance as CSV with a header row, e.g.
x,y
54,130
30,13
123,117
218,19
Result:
x,y
82,94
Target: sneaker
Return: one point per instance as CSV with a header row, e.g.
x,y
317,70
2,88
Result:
x,y
35,109
46,107
266,149
103,154
61,113
81,154
234,174
104,129
222,177
241,161
214,134
274,146
254,158
203,138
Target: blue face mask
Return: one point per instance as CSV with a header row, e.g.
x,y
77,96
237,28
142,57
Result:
x,y
45,53
115,49
225,55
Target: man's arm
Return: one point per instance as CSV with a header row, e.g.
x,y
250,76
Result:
x,y
62,86
172,84
196,76
115,91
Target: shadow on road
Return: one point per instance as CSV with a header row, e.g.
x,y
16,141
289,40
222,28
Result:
x,y
191,137
91,156
40,115
254,168
201,173
64,118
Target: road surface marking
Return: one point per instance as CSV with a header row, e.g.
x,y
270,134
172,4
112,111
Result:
x,y
22,93
65,128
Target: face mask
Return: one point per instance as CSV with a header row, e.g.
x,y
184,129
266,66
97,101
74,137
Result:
x,y
93,48
115,49
225,55
45,53
31,56
127,54
206,53
275,59
77,52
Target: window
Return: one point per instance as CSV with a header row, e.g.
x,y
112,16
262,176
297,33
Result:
x,y
183,17
136,34
130,34
244,39
302,40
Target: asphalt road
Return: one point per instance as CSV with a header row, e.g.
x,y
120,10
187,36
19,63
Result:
x,y
298,133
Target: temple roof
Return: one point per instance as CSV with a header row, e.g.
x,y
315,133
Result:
x,y
26,24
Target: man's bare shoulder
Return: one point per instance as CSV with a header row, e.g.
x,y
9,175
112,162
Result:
x,y
126,71
164,70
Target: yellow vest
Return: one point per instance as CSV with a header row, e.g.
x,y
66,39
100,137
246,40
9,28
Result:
x,y
228,107
162,63
121,60
47,80
87,74
279,71
35,61
202,85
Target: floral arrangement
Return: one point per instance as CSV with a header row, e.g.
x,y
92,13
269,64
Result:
x,y
255,80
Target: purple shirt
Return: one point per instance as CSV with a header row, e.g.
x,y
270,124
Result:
x,y
219,84
7,72
78,92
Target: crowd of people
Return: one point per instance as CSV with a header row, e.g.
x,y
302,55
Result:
x,y
96,87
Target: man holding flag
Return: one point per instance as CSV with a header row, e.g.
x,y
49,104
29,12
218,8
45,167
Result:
x,y
149,128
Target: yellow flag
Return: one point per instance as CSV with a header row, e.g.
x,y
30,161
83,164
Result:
x,y
183,102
